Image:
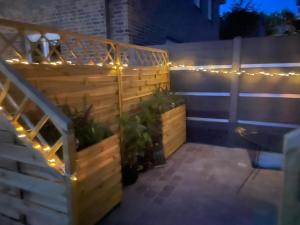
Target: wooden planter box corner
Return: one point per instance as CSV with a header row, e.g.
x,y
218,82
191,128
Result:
x,y
99,187
173,129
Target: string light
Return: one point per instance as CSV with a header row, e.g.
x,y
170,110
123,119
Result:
x,y
20,129
112,64
73,177
1,108
52,162
21,135
46,148
37,146
243,72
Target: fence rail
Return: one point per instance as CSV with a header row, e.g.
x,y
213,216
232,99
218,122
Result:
x,y
28,43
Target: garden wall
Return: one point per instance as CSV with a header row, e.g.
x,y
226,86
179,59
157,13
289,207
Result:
x,y
217,103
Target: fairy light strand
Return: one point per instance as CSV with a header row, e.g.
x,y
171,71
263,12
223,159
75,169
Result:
x,y
211,70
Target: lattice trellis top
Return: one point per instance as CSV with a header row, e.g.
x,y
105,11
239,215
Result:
x,y
28,43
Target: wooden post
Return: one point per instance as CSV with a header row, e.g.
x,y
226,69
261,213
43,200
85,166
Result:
x,y
120,78
69,155
234,88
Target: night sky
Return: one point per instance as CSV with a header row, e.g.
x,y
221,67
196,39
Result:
x,y
267,6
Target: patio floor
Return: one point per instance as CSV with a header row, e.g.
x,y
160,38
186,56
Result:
x,y
201,184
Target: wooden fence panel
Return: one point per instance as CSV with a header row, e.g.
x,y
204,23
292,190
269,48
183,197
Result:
x,y
35,191
82,86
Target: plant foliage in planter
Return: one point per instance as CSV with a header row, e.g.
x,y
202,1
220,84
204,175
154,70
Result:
x,y
135,139
141,134
150,114
87,131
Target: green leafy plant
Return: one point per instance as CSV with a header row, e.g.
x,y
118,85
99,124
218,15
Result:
x,y
151,110
141,134
135,138
87,131
134,142
162,101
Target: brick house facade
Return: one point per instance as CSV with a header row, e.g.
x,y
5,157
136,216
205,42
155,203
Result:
x,y
137,21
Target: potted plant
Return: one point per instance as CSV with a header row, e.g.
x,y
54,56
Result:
x,y
134,140
87,131
155,116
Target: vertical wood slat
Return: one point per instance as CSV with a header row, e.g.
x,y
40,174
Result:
x,y
55,148
69,155
21,108
120,79
173,129
5,89
38,127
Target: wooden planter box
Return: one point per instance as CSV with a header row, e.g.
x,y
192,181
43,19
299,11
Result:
x,y
99,176
34,191
173,129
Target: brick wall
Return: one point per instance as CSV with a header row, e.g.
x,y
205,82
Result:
x,y
84,16
138,21
119,20
178,20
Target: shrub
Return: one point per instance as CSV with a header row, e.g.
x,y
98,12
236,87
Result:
x,y
135,138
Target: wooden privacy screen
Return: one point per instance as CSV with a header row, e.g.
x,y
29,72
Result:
x,y
36,187
82,86
32,192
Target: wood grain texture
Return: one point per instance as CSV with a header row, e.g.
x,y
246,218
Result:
x,y
40,194
99,187
82,86
173,129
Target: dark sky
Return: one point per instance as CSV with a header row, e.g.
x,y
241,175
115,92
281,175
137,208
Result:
x,y
267,6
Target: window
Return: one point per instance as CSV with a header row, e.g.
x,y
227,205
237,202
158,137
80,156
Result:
x,y
197,3
210,10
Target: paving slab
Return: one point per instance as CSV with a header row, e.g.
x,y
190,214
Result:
x,y
202,184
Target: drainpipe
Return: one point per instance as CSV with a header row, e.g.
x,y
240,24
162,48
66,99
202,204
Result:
x,y
107,19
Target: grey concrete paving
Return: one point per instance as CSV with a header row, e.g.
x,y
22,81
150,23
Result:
x,y
201,185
